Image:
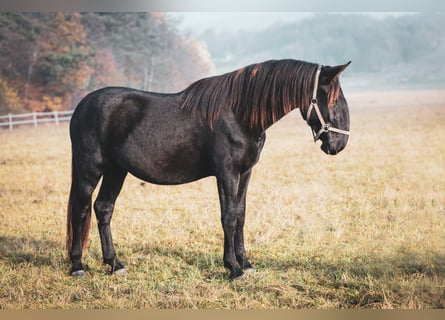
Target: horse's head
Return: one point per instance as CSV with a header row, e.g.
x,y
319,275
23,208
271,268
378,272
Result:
x,y
328,113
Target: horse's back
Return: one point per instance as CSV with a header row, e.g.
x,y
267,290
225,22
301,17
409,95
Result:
x,y
147,134
111,113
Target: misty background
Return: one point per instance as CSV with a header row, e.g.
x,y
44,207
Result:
x,y
50,60
387,49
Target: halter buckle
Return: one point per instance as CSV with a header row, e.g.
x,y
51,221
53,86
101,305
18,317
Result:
x,y
325,127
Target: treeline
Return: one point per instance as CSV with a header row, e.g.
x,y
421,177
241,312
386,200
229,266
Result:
x,y
410,46
48,61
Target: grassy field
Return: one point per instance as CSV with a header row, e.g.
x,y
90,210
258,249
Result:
x,y
363,229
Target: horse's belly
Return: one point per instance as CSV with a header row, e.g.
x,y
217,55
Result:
x,y
160,166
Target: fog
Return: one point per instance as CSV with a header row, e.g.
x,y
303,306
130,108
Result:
x,y
388,49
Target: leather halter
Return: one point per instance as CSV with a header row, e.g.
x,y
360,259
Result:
x,y
325,127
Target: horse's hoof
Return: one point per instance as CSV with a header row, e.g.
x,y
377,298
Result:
x,y
122,271
249,270
78,274
236,275
236,278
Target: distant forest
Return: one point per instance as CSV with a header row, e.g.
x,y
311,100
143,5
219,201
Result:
x,y
48,61
408,48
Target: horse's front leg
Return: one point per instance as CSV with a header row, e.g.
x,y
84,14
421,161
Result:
x,y
232,219
240,251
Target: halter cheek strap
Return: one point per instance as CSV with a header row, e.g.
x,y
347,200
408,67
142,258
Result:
x,y
325,127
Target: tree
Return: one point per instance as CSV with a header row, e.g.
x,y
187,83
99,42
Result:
x,y
45,56
9,99
148,52
49,61
62,63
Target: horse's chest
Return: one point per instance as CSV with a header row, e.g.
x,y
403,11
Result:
x,y
245,155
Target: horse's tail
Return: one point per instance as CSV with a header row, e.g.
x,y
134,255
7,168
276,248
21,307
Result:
x,y
69,226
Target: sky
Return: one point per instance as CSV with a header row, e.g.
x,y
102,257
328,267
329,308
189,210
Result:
x,y
198,22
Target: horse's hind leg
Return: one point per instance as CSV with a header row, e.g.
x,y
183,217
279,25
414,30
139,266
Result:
x,y
79,216
112,182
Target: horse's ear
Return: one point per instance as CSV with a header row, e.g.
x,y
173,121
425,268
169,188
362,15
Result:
x,y
328,74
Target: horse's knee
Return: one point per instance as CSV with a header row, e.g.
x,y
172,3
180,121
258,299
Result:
x,y
104,211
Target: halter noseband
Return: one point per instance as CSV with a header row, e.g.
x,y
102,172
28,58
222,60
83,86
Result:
x,y
325,127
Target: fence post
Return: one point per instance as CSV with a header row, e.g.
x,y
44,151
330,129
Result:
x,y
10,121
34,116
56,116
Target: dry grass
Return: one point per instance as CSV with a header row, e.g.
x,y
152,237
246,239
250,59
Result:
x,y
363,229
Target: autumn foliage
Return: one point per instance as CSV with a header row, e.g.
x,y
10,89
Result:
x,y
49,61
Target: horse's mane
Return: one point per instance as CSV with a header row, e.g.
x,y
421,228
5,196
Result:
x,y
259,94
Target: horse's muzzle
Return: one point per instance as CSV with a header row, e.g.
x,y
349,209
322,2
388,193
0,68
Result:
x,y
333,148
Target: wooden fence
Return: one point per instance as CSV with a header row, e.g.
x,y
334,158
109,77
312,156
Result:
x,y
34,118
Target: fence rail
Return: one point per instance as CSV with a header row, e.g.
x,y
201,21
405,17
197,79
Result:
x,y
11,120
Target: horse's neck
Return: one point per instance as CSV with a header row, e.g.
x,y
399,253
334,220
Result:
x,y
274,117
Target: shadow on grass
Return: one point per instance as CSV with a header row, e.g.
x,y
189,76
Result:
x,y
41,252
37,252
362,280
208,263
401,264
362,265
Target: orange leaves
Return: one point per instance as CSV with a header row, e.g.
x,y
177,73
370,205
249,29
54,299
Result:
x,y
51,59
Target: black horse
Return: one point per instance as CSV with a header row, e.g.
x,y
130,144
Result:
x,y
215,127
